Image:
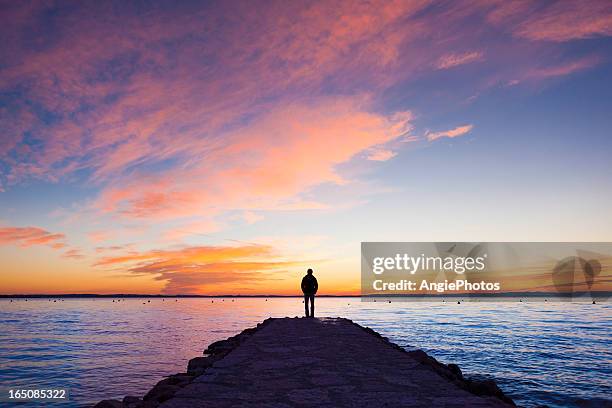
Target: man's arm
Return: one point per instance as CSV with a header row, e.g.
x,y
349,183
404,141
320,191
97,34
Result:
x,y
316,284
303,284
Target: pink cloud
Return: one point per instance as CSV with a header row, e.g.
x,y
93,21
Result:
x,y
456,132
111,248
381,155
169,120
164,110
263,165
556,21
566,20
452,60
30,236
251,217
99,236
562,69
193,229
73,254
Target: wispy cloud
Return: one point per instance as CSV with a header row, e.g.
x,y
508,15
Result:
x,y
381,155
562,69
73,254
119,99
452,60
456,132
264,165
555,21
251,217
30,236
192,229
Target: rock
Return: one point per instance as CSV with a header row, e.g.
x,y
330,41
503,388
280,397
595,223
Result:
x,y
454,368
180,379
419,355
147,404
196,366
161,392
110,403
130,399
488,387
176,379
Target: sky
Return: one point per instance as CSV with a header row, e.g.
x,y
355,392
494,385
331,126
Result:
x,y
225,147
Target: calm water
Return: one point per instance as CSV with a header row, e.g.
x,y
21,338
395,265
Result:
x,y
558,354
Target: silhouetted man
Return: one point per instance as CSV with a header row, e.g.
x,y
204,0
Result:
x,y
309,287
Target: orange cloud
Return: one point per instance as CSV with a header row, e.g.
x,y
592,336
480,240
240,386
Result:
x,y
456,132
205,268
452,60
29,236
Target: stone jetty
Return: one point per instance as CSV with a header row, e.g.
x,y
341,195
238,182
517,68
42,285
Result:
x,y
323,362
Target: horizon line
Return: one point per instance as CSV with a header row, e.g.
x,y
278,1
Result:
x,y
440,295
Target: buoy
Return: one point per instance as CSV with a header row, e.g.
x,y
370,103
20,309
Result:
x,y
458,302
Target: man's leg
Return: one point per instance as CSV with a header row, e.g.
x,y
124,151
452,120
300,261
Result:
x,y
312,305
306,304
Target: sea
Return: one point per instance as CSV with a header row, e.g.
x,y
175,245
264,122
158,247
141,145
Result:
x,y
555,354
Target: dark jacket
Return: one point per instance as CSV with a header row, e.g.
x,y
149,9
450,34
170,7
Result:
x,y
309,285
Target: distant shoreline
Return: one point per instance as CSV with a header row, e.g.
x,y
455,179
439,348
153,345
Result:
x,y
602,294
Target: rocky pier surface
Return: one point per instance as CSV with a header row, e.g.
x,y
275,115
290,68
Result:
x,y
323,362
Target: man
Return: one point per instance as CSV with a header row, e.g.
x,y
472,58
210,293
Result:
x,y
309,287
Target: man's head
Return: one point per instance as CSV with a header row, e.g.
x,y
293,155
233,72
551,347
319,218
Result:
x,y
309,271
